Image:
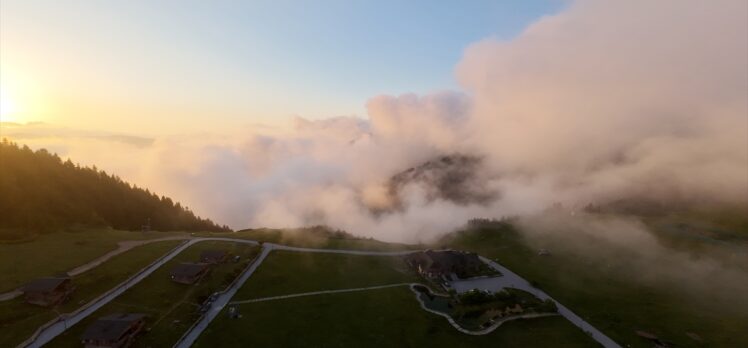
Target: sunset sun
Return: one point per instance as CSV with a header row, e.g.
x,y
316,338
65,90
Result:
x,y
7,108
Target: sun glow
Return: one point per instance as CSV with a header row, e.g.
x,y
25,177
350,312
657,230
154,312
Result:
x,y
8,107
19,97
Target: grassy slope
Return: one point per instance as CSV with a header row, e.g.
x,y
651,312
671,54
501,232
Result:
x,y
56,253
171,307
609,300
380,318
286,272
312,239
18,320
385,317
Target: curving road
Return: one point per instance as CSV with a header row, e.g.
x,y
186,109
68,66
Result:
x,y
520,283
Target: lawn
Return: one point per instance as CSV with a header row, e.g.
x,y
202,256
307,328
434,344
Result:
x,y
19,320
383,317
56,253
610,297
388,317
171,307
312,238
288,272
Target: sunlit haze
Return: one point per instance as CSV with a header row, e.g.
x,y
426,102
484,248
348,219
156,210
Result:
x,y
160,67
276,114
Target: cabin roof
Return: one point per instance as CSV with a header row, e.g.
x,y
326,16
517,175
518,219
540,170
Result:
x,y
444,260
111,327
45,284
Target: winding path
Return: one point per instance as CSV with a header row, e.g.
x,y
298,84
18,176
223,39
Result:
x,y
485,331
520,283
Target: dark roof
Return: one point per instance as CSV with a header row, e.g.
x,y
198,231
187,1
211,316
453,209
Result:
x,y
445,260
213,254
44,284
188,269
111,327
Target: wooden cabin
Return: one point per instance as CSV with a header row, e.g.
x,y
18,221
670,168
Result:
x,y
114,331
189,273
444,263
48,291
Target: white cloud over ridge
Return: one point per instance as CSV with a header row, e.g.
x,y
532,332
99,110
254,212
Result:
x,y
604,100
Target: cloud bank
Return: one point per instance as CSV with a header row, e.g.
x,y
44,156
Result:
x,y
603,101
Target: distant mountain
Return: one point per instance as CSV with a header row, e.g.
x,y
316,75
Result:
x,y
454,178
41,193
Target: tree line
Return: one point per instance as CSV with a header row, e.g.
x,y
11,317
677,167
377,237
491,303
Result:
x,y
39,192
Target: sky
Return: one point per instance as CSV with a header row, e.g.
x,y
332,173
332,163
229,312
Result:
x,y
273,115
150,67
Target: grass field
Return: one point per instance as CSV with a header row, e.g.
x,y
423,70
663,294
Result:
x,y
287,272
312,238
56,253
383,317
611,298
19,320
379,318
171,307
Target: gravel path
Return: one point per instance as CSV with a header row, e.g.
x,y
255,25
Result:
x,y
121,248
322,292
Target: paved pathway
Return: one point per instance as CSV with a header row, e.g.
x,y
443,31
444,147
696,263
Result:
x,y
11,294
341,251
485,331
271,298
215,308
121,248
520,283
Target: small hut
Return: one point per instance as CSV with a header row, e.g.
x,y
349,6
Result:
x,y
48,291
116,330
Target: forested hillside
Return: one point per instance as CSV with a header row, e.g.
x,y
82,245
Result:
x,y
41,193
